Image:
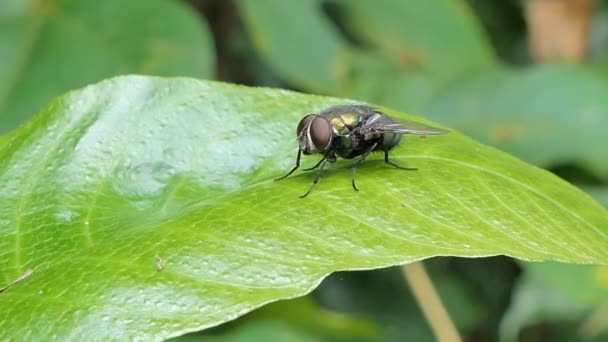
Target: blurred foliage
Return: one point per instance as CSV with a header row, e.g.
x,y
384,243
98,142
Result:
x,y
302,318
559,292
463,63
50,47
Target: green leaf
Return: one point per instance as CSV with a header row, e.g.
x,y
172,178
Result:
x,y
438,35
279,29
263,330
307,315
554,292
146,208
49,47
302,315
531,113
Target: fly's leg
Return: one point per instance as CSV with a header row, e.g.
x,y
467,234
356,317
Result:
x,y
395,165
294,168
359,161
316,179
316,166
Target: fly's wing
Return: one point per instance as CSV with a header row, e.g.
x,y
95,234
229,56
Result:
x,y
380,123
411,127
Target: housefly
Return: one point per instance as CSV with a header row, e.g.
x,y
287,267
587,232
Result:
x,y
350,131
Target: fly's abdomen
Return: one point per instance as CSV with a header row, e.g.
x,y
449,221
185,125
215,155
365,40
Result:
x,y
389,140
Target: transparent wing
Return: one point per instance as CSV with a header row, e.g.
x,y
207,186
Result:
x,y
410,127
379,124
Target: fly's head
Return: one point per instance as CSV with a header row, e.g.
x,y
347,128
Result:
x,y
314,134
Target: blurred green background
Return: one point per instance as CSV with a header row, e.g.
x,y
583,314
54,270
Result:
x,y
527,76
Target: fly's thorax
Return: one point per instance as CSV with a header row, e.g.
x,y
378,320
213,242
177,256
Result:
x,y
342,124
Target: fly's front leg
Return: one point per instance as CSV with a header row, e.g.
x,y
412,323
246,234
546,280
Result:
x,y
395,165
294,168
316,179
359,161
317,165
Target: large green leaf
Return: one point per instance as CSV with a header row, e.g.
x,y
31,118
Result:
x,y
146,208
49,47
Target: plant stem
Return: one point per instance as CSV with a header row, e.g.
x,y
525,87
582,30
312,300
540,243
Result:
x,y
559,29
596,323
430,303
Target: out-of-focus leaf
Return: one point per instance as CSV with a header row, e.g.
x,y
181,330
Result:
x,y
600,193
306,314
374,79
370,76
258,330
49,47
554,292
442,36
461,302
383,296
146,208
598,35
301,314
380,295
548,115
297,41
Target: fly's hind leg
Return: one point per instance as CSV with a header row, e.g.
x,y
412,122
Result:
x,y
359,161
386,160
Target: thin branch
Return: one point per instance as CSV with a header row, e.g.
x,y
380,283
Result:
x,y
430,303
558,29
596,323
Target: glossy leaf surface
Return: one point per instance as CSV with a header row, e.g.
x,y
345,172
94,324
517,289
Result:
x,y
146,208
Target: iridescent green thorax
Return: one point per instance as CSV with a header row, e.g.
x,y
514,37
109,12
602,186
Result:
x,y
342,124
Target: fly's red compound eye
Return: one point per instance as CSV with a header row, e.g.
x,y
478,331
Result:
x,y
304,123
320,133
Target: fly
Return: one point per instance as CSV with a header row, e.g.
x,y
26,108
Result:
x,y
350,131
